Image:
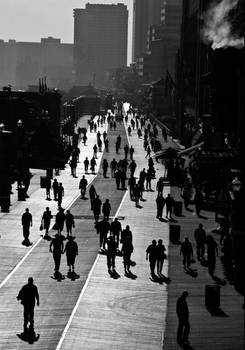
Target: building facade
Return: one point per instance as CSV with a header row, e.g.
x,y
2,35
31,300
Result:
x,y
100,42
22,63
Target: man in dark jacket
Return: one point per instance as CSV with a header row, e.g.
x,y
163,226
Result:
x,y
200,237
160,201
97,207
152,253
102,227
28,295
111,253
56,247
26,221
182,311
82,186
71,249
187,251
116,230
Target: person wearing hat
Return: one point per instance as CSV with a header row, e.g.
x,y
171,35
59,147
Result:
x,y
71,250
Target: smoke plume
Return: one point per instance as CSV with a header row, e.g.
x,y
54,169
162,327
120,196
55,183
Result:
x,y
221,24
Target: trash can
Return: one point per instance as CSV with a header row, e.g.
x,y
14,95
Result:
x,y
174,233
178,208
43,181
212,297
21,194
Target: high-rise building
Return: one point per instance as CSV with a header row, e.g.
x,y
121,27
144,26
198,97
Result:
x,y
145,13
100,42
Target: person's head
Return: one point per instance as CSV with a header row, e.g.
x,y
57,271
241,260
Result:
x,y
154,242
60,184
30,280
55,180
68,211
186,239
185,294
107,200
127,227
98,196
169,195
200,225
27,210
47,208
116,219
83,176
160,241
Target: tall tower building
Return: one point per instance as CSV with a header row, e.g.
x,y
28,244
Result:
x,y
145,13
100,42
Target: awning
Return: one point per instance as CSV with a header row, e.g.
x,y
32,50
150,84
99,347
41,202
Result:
x,y
191,149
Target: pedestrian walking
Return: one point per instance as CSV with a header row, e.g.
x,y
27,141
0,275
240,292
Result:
x,y
113,167
131,183
106,209
105,167
73,166
126,234
97,207
131,152
46,220
93,165
198,198
182,311
95,149
60,220
84,139
71,250
137,194
123,179
126,150
111,253
129,130
60,194
56,247
187,252
151,253
83,186
116,230
117,177
212,252
86,164
55,186
48,188
28,295
148,180
92,195
161,256
26,221
160,201
119,139
148,151
200,237
159,187
102,228
132,167
169,206
99,143
106,142
127,250
70,223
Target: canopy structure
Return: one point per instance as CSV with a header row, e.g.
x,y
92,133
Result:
x,y
169,152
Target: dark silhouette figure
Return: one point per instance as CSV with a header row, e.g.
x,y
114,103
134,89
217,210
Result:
x,y
151,252
187,252
105,167
92,195
106,142
97,208
160,201
126,150
71,250
131,184
116,229
86,164
159,187
132,167
200,237
48,188
212,252
106,209
55,189
169,206
102,227
126,234
60,220
56,247
113,167
46,220
92,165
70,223
83,186
127,250
161,256
60,194
182,311
28,295
117,176
111,253
198,198
131,152
26,221
95,148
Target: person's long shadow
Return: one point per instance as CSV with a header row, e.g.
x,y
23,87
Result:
x,y
160,279
219,281
202,217
186,346
163,220
131,275
191,272
114,274
30,336
73,276
139,206
217,312
164,278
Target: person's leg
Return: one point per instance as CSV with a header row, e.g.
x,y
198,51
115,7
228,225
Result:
x,y
186,331
31,318
198,251
101,239
180,332
26,317
109,262
113,261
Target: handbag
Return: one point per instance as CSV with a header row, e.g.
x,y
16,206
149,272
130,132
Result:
x,y
41,227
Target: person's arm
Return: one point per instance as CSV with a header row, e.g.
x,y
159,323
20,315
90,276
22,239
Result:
x,y
37,296
50,246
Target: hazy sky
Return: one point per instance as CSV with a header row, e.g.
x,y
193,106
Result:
x,y
30,20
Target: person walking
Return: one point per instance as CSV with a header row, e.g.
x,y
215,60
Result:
x,y
99,143
70,223
28,295
212,252
55,189
95,149
111,253
131,184
160,201
161,256
106,142
60,220
131,152
126,149
60,194
126,234
182,311
187,252
83,186
48,188
26,221
92,165
113,167
200,237
148,151
129,130
105,167
92,195
119,139
151,253
132,167
169,206
159,186
102,228
56,247
136,194
148,180
46,220
116,230
71,250
86,164
198,198
97,207
127,250
106,209
117,177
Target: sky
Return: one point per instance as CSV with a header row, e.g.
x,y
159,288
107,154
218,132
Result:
x,y
30,20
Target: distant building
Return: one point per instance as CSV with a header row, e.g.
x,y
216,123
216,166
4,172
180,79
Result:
x,y
100,42
22,63
145,13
